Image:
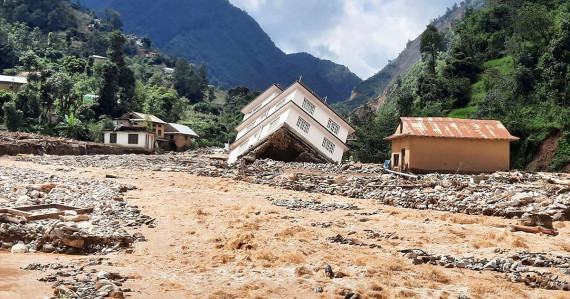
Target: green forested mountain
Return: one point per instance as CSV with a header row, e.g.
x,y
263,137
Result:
x,y
510,61
233,46
52,42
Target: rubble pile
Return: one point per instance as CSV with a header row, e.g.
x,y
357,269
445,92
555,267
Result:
x,y
523,267
348,241
77,281
314,205
100,231
504,194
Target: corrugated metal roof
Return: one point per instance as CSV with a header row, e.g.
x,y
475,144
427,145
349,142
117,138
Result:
x,y
443,127
13,79
152,117
178,128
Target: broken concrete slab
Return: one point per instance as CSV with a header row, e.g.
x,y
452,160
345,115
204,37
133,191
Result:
x,y
284,145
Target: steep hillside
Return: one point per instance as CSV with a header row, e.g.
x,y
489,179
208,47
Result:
x,y
508,61
231,43
372,88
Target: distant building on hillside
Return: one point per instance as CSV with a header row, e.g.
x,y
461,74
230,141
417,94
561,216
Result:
x,y
98,59
168,70
290,124
12,83
90,98
436,144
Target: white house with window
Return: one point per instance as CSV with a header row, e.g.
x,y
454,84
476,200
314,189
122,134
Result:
x,y
298,110
138,137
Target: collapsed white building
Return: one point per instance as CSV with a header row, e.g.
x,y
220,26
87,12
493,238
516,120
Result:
x,y
290,124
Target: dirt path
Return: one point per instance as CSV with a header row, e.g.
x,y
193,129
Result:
x,y
219,238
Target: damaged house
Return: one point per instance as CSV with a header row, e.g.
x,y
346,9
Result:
x,y
136,129
290,124
450,145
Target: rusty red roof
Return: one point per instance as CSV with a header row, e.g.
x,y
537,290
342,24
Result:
x,y
444,127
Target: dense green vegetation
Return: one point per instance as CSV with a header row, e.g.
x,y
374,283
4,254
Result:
x,y
230,42
508,61
54,40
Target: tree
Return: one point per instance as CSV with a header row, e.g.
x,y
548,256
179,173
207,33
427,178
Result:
x,y
126,77
534,22
7,52
5,97
431,43
372,128
12,116
29,60
71,127
113,19
147,43
59,87
109,89
74,65
211,93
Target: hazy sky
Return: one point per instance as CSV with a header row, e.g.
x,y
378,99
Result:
x,y
361,34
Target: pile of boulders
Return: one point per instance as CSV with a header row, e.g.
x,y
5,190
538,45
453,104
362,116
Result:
x,y
504,194
77,281
313,205
101,230
520,267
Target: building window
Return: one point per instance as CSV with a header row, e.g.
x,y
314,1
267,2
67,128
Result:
x,y
172,136
328,145
185,137
273,124
256,109
133,138
308,106
243,146
159,132
264,116
396,160
113,138
250,127
281,104
303,125
334,127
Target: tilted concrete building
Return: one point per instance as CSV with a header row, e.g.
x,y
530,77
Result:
x,y
290,124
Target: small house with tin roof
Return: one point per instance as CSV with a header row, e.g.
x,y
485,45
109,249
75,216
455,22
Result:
x,y
450,145
179,136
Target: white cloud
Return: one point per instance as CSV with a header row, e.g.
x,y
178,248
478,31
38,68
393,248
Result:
x,y
361,34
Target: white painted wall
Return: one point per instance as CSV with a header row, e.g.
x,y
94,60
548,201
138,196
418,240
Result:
x,y
322,113
259,133
146,140
315,135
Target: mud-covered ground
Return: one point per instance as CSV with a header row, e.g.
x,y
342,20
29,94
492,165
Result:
x,y
224,238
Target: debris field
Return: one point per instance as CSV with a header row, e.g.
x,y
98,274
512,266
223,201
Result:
x,y
345,231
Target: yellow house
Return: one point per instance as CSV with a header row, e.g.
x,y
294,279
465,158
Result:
x,y
436,144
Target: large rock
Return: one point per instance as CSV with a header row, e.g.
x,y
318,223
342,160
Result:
x,y
19,248
75,243
536,219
